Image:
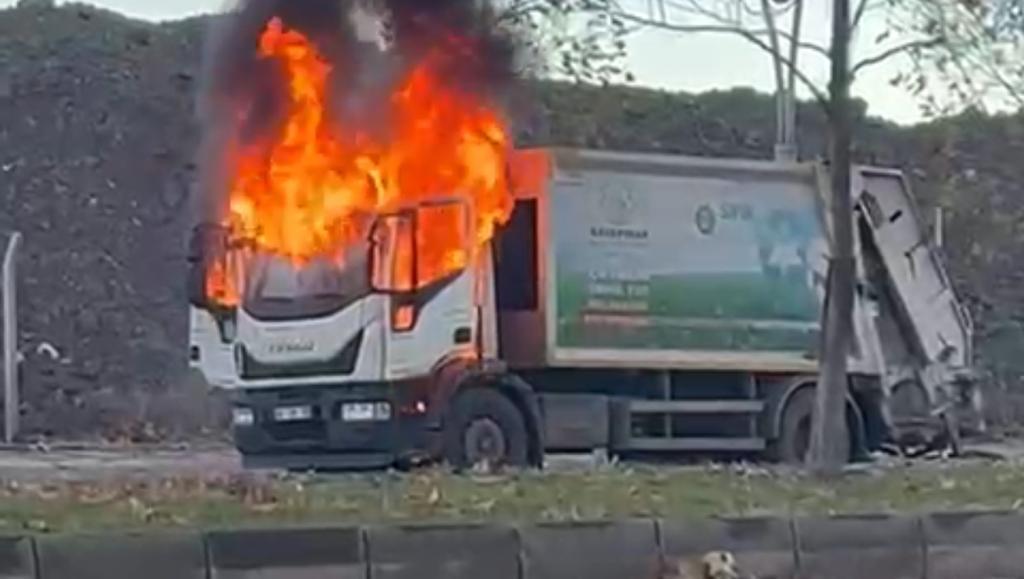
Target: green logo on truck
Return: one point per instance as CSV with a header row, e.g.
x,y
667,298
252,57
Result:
x,y
705,219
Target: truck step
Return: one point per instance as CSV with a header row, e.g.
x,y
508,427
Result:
x,y
696,444
696,406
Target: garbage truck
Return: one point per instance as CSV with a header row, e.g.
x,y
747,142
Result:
x,y
633,304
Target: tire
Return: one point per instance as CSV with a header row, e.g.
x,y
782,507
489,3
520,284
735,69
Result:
x,y
795,429
909,400
483,425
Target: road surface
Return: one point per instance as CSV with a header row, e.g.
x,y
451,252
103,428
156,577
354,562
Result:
x,y
99,463
102,463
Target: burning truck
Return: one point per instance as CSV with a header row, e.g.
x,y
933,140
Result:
x,y
380,277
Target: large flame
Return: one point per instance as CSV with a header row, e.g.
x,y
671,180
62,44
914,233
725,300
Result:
x,y
304,193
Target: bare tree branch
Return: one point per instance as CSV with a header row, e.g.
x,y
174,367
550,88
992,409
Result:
x,y
976,63
967,63
800,44
893,51
696,9
751,37
759,10
858,15
518,10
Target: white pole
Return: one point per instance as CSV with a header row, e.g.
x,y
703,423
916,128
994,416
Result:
x,y
10,304
940,219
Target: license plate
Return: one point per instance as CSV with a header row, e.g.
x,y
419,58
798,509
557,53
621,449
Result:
x,y
243,416
357,412
293,413
365,411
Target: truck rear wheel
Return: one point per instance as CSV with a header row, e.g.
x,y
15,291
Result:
x,y
484,426
795,429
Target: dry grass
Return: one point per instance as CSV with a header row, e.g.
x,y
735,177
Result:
x,y
439,496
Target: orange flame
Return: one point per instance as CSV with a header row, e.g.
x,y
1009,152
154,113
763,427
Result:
x,y
303,194
219,286
223,279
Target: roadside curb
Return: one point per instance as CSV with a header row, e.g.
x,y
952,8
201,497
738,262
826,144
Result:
x,y
764,546
451,551
17,558
286,553
974,544
858,546
960,545
163,555
595,550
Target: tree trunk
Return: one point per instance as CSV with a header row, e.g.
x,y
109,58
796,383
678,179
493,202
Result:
x,y
829,424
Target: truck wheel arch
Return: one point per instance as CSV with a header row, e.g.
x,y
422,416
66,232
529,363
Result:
x,y
459,375
523,396
779,399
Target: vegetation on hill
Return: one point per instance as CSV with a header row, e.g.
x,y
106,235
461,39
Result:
x,y
97,145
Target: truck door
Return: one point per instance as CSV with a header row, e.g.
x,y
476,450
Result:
x,y
431,307
213,295
921,285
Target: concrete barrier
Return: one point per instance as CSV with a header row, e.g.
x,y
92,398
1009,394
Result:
x,y
122,556
856,547
763,546
443,552
17,558
980,545
613,550
287,554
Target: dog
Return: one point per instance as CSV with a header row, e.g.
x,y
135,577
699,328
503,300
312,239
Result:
x,y
713,565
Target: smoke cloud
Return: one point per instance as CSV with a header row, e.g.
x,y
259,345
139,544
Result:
x,y
242,97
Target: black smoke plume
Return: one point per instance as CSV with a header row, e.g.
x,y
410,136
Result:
x,y
242,96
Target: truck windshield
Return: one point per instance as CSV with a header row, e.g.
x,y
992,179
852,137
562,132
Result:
x,y
278,289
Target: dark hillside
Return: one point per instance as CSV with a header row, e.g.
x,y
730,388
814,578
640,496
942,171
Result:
x,y
97,139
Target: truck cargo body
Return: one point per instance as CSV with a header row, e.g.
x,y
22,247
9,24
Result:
x,y
653,265
633,303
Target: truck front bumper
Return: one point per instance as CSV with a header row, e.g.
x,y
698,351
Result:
x,y
320,461
303,428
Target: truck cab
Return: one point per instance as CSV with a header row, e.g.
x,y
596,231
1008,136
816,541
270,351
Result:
x,y
633,303
336,362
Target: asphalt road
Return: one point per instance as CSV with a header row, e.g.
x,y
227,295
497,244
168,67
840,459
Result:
x,y
103,463
99,463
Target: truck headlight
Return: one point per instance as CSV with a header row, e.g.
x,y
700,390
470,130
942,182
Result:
x,y
243,416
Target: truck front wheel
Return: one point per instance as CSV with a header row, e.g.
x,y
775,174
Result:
x,y
485,427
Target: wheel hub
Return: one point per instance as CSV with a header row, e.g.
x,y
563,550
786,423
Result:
x,y
485,441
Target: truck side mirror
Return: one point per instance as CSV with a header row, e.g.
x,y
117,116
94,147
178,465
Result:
x,y
393,253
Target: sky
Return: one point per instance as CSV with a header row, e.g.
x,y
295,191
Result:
x,y
675,61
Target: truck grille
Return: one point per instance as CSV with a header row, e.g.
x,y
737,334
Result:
x,y
342,365
311,430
